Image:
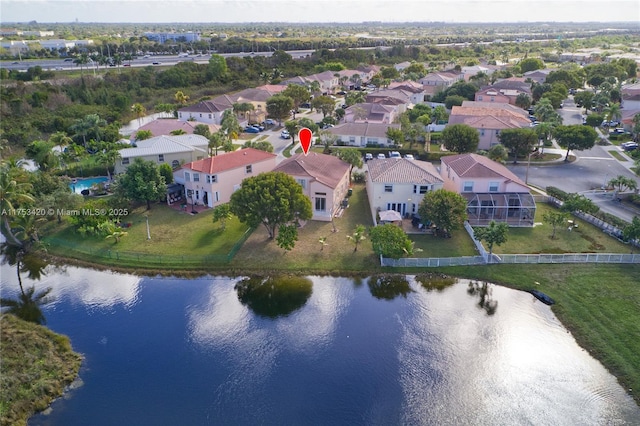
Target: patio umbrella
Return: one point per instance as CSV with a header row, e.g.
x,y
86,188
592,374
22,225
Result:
x,y
390,216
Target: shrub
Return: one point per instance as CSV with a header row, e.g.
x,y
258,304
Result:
x,y
358,177
556,193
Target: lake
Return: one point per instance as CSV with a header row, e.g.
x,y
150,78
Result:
x,y
317,350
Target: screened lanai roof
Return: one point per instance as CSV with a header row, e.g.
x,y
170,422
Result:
x,y
525,199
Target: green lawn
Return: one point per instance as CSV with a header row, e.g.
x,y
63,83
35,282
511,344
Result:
x,y
617,155
586,238
460,244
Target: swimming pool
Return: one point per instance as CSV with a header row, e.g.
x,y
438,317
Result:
x,y
78,185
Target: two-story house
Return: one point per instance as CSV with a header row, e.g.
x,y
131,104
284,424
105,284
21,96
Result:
x,y
489,119
212,180
400,184
371,113
324,179
209,111
492,191
164,126
172,150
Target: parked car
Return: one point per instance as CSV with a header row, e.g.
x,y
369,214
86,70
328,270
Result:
x,y
68,60
270,122
251,129
629,146
285,135
381,156
260,127
394,154
368,156
409,157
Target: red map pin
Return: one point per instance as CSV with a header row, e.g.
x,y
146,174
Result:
x,y
304,135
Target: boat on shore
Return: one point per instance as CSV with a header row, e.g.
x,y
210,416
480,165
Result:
x,y
542,297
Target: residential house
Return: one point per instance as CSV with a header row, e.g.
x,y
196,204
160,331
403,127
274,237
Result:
x,y
397,97
211,181
416,90
371,113
489,119
164,126
442,79
324,179
368,71
209,111
346,78
400,184
328,81
363,134
537,76
402,65
492,191
513,83
490,94
172,150
473,70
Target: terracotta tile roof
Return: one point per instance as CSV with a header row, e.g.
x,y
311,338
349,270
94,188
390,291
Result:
x,y
401,170
478,166
489,115
326,169
229,161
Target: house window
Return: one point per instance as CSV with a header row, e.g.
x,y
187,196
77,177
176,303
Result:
x,y
467,187
125,161
175,164
497,132
352,140
161,158
388,188
197,195
187,176
180,114
216,196
482,132
210,117
302,182
212,178
493,186
420,189
200,115
196,177
479,98
248,169
372,141
321,201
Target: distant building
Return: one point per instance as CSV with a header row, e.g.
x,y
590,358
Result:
x,y
187,37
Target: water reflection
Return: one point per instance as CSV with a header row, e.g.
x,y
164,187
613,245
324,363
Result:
x,y
26,305
276,296
484,291
388,287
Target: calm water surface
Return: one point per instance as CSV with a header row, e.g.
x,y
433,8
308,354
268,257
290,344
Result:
x,y
166,351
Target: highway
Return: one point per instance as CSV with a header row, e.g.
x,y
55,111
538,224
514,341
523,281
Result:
x,y
155,60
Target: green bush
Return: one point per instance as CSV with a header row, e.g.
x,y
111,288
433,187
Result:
x,y
556,193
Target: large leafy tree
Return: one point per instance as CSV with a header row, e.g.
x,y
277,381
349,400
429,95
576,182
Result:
x,y
460,138
217,68
142,182
279,107
324,104
390,240
299,94
579,203
584,99
518,141
632,232
575,138
494,235
446,209
287,236
271,199
530,64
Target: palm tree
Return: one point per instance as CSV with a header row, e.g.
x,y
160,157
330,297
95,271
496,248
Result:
x,y
612,112
27,305
88,125
60,139
11,192
26,229
314,86
107,158
81,60
356,80
181,98
139,110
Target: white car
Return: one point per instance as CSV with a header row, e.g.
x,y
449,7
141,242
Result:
x,y
381,156
394,154
409,157
285,135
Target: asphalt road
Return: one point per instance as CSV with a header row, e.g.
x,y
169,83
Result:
x,y
591,170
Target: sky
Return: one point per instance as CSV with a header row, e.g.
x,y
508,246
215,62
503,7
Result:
x,y
304,11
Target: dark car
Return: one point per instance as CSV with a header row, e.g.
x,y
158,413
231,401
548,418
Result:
x,y
156,63
629,146
260,127
251,129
